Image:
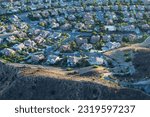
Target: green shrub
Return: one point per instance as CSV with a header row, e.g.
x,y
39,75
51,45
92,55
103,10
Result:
x,y
126,54
125,39
69,69
95,66
128,59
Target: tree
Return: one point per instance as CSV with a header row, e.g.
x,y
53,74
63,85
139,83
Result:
x,y
109,2
131,2
73,45
99,44
125,39
28,1
145,17
139,2
42,24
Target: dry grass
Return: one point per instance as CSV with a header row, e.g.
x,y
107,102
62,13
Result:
x,y
37,82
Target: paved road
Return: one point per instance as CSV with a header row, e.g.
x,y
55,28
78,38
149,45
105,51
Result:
x,y
8,34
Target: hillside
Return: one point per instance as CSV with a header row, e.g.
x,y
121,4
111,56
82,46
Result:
x,y
86,49
133,59
36,82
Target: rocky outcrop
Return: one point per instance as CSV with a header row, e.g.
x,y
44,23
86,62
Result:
x,y
22,82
